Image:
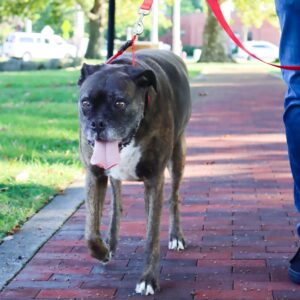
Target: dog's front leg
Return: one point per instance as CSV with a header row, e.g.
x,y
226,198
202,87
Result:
x,y
116,211
95,195
149,282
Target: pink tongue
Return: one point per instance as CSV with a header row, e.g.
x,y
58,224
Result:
x,y
106,154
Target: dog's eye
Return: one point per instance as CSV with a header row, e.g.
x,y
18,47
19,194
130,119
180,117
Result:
x,y
120,105
86,104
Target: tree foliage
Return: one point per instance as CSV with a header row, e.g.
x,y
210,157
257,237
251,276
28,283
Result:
x,y
24,8
255,12
41,12
55,14
126,16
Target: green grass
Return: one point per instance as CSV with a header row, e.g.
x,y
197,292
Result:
x,y
39,141
194,69
197,68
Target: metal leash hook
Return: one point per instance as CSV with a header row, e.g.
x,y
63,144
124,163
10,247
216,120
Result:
x,y
138,28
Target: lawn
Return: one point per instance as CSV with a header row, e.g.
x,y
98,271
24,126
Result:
x,y
39,141
194,69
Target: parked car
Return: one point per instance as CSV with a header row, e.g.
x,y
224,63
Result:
x,y
262,49
37,45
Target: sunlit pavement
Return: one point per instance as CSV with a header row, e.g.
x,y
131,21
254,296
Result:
x,y
237,210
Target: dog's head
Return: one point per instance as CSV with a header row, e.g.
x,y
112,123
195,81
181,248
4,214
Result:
x,y
112,99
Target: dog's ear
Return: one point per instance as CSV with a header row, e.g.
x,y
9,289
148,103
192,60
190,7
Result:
x,y
86,71
143,78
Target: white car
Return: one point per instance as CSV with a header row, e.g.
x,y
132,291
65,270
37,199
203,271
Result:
x,y
262,49
37,45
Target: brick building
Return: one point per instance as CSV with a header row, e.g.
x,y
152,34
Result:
x,y
192,26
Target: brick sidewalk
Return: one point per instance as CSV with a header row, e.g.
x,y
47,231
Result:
x,y
237,211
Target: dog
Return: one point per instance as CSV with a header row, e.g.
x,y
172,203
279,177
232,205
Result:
x,y
132,126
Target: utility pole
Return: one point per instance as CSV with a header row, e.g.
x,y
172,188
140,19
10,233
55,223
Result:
x,y
227,8
111,28
176,30
78,36
154,29
28,25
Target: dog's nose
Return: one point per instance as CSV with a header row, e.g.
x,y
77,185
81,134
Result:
x,y
100,125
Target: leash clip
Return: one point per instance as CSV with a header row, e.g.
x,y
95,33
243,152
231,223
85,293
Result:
x,y
138,28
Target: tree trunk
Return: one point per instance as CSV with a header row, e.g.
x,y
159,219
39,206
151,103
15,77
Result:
x,y
213,49
93,49
95,24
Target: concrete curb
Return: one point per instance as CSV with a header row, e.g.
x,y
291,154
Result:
x,y
36,232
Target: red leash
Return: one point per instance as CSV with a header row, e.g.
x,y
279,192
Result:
x,y
123,48
215,7
146,5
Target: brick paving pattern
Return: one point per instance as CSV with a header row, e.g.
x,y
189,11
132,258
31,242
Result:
x,y
237,211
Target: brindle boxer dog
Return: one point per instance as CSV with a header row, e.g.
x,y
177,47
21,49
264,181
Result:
x,y
132,122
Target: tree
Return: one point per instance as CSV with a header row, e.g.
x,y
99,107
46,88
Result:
x,y
213,42
255,12
96,17
251,12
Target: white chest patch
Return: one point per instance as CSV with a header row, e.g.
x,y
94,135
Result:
x,y
126,169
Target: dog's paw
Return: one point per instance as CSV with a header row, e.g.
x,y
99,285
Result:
x,y
148,285
107,259
144,288
177,244
99,250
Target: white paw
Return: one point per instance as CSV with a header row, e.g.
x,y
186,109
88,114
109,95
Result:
x,y
144,289
175,244
108,259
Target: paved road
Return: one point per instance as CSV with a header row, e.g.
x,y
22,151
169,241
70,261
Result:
x,y
237,211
